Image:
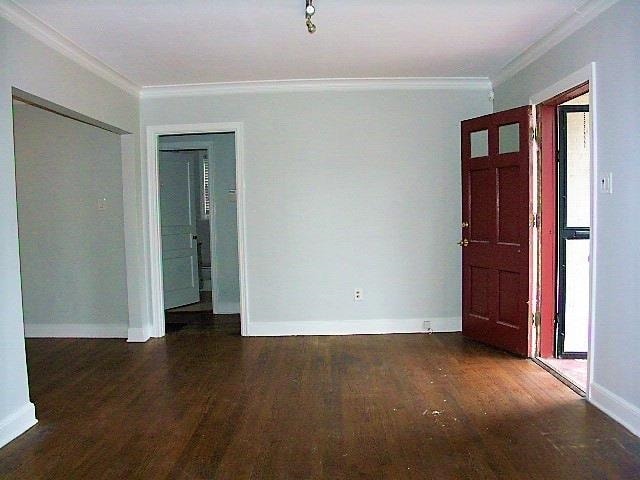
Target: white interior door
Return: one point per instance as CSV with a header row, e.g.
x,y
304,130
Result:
x,y
178,212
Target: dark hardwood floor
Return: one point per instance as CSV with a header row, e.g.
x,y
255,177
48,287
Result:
x,y
205,403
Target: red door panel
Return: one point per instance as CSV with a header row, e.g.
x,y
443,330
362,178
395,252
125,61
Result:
x,y
495,215
481,213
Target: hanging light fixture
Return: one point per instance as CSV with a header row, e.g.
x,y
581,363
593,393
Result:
x,y
308,12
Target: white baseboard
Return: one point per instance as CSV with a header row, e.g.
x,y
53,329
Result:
x,y
227,308
17,423
616,407
139,334
75,330
354,327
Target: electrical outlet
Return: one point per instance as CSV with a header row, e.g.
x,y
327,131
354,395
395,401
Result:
x,y
357,294
426,326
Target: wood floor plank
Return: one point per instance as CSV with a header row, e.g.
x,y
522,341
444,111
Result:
x,y
205,403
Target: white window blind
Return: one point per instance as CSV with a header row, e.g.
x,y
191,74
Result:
x,y
206,200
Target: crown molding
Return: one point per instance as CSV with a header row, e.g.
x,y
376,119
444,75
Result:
x,y
320,84
35,27
579,19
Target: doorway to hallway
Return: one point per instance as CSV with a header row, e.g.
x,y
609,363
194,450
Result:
x,y
198,220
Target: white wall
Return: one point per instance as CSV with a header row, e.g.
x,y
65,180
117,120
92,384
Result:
x,y
72,254
345,190
612,41
223,169
29,65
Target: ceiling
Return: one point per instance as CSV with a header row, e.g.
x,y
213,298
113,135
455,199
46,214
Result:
x,y
172,42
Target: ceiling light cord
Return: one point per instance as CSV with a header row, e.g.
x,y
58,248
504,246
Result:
x,y
308,12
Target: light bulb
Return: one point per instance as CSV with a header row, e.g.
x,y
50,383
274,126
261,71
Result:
x,y
310,10
311,27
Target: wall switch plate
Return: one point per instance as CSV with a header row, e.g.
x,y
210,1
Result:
x,y
606,183
102,204
357,294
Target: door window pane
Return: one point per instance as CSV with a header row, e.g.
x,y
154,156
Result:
x,y
578,164
509,138
479,143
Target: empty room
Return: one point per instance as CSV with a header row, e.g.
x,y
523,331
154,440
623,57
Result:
x,y
313,239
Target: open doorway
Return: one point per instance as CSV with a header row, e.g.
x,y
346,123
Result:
x,y
564,203
198,219
70,215
70,223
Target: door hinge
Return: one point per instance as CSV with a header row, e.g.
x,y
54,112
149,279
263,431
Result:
x,y
535,319
534,134
534,220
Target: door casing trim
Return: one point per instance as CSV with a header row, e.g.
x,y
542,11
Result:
x,y
151,217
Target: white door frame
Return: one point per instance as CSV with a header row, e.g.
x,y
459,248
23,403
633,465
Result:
x,y
151,201
208,146
585,74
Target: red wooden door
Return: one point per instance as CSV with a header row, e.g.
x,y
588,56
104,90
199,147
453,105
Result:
x,y
495,229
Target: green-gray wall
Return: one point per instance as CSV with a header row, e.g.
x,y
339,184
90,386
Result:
x,y
72,254
346,189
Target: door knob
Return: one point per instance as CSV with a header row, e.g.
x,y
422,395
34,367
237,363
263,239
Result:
x,y
465,224
464,242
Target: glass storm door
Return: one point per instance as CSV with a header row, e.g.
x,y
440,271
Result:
x,y
574,222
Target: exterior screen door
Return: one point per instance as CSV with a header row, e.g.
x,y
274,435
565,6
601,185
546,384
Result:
x,y
495,229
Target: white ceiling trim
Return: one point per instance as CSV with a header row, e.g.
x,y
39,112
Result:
x,y
583,15
35,27
320,84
